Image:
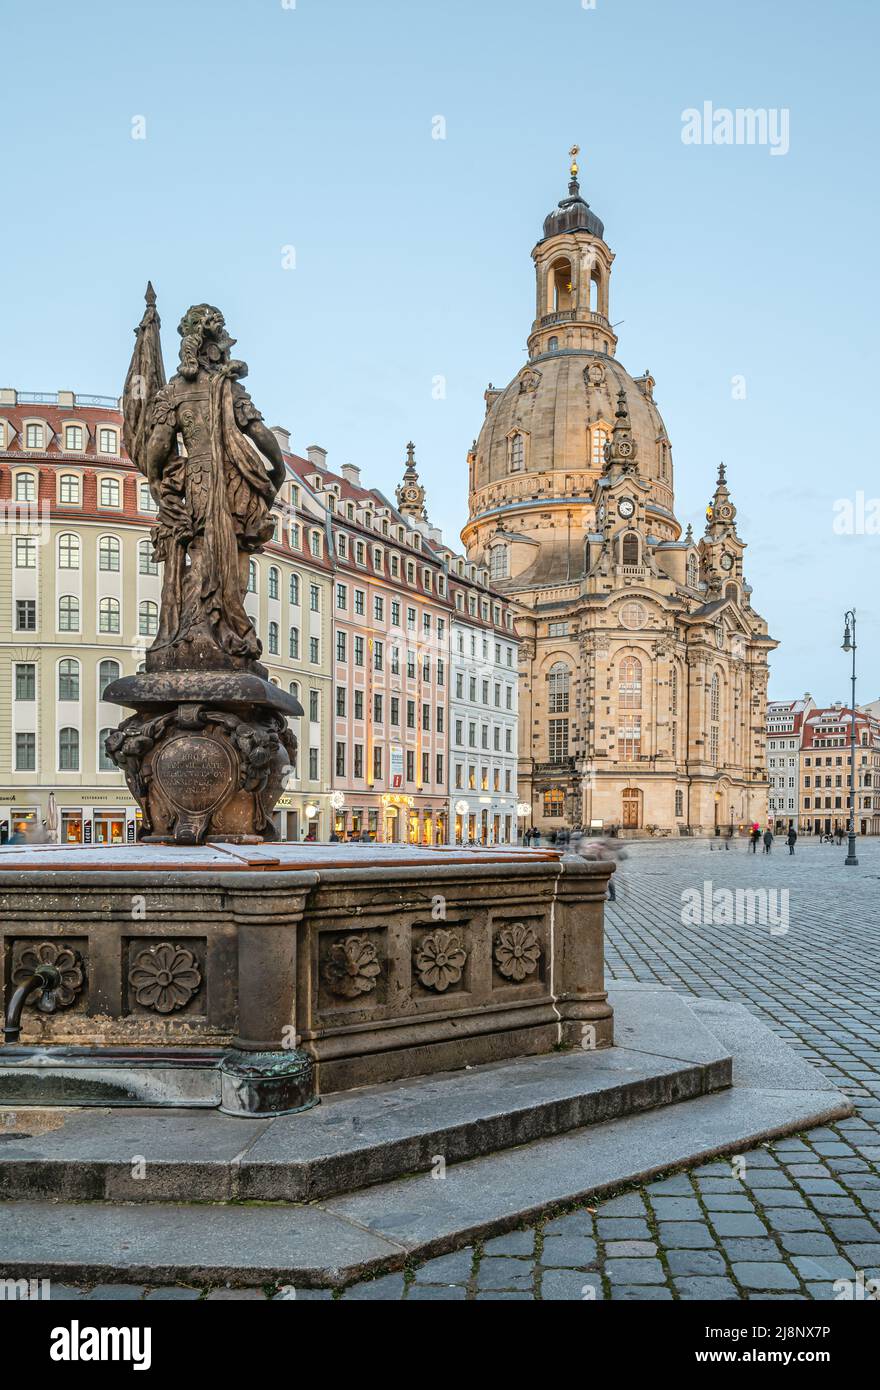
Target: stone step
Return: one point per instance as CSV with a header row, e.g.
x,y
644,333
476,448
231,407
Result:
x,y
353,1139
380,1228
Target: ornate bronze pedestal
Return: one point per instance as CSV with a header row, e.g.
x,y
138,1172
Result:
x,y
205,754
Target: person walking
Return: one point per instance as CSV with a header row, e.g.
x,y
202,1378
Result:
x,y
754,838
768,840
791,839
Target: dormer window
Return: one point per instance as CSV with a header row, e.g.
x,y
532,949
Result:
x,y
34,436
74,436
108,441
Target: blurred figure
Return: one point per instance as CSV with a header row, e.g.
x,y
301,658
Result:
x,y
768,840
19,834
754,838
603,851
792,840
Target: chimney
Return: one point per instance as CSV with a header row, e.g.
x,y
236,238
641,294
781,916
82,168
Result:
x,y
283,437
352,474
435,534
317,456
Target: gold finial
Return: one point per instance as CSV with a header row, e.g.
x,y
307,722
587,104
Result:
x,y
574,152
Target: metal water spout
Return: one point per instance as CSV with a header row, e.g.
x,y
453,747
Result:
x,y
44,977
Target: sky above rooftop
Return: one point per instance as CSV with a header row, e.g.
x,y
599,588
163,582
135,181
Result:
x,y
377,278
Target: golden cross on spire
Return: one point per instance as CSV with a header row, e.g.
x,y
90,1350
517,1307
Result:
x,y
574,152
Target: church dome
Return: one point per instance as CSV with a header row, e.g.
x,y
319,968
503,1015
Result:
x,y
573,214
543,436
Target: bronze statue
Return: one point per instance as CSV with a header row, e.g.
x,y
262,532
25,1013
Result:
x,y
207,750
214,495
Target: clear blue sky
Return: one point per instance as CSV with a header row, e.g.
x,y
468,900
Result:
x,y
311,127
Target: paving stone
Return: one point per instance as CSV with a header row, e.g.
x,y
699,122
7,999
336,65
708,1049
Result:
x,y
760,1275
688,1263
571,1252
727,1201
629,1249
852,1228
822,1267
641,1293
737,1223
687,1235
700,1288
502,1295
387,1288
635,1271
447,1269
514,1243
677,1209
632,1204
807,1243
622,1228
751,1248
676,1186
437,1293
569,1284
797,1220
503,1273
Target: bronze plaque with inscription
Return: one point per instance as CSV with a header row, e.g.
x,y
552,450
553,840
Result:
x,y
195,772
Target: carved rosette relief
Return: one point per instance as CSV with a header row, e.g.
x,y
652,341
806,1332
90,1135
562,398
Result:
x,y
164,977
352,967
68,962
440,960
517,951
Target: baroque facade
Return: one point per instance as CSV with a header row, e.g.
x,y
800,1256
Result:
x,y
643,665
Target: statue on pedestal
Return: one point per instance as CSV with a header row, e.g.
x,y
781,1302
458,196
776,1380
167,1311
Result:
x,y
207,750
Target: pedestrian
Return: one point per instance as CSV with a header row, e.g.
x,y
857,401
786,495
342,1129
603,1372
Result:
x,y
536,837
768,840
792,840
754,838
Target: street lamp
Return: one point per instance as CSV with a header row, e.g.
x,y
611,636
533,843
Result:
x,y
849,645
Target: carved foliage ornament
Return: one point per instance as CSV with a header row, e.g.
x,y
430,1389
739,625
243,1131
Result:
x,y
351,967
66,961
440,960
517,951
164,977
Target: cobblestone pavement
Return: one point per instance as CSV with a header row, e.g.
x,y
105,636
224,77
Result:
x,y
794,1216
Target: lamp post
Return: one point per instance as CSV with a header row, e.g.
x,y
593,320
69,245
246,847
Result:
x,y
849,645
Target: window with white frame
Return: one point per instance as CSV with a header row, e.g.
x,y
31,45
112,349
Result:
x,y
69,489
109,492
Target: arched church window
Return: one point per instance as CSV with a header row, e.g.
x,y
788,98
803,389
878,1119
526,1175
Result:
x,y
553,345
629,688
629,549
517,452
693,573
600,439
559,683
714,698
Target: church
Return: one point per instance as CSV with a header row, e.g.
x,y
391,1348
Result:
x,y
643,665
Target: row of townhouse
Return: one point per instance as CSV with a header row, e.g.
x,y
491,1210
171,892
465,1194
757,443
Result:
x,y
402,657
808,766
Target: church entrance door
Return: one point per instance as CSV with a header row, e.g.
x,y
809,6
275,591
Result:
x,y
632,809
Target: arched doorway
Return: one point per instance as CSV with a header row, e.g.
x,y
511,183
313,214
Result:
x,y
631,818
